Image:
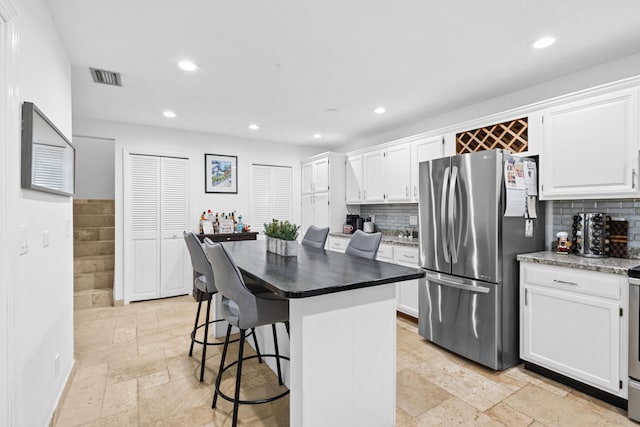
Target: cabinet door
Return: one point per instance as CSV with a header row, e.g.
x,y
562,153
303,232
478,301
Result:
x,y
590,148
307,177
354,179
398,173
308,211
575,335
321,209
321,175
374,180
423,150
407,291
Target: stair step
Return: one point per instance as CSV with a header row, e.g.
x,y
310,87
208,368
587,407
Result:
x,y
94,207
86,234
94,280
81,221
88,264
92,298
99,247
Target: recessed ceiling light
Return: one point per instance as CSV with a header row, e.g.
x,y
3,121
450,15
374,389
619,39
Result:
x,y
317,135
169,114
380,110
254,126
544,42
187,65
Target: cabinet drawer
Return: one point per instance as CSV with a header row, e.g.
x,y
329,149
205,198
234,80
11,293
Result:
x,y
406,255
573,279
385,252
338,244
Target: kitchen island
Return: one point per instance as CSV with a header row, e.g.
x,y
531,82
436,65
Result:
x,y
343,331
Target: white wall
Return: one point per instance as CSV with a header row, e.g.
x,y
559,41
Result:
x,y
95,168
192,145
39,282
601,74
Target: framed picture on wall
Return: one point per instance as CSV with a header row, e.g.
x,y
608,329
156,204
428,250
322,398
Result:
x,y
220,173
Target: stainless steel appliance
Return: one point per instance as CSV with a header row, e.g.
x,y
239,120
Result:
x,y
469,300
634,344
351,224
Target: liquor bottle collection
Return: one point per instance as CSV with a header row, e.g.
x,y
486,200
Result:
x,y
225,222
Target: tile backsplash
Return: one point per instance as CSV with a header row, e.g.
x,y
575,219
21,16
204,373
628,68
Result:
x,y
627,209
391,217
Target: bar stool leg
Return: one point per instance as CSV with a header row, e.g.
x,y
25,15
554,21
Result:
x,y
286,326
195,328
219,377
275,343
205,340
236,400
255,341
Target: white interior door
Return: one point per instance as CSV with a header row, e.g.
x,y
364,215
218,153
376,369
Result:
x,y
175,270
156,214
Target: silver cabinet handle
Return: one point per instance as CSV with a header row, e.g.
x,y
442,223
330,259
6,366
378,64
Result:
x,y
406,191
408,256
633,179
565,282
358,194
415,190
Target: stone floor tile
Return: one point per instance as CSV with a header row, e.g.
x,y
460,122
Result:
x,y
508,416
120,397
454,411
416,394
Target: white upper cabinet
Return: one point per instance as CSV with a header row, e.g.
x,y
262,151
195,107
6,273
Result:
x,y
423,150
354,189
398,173
315,176
590,148
374,176
379,176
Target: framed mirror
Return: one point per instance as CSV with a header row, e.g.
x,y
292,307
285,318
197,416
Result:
x,y
48,157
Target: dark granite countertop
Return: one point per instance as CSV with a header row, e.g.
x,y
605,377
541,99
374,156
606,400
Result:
x,y
605,265
314,271
389,239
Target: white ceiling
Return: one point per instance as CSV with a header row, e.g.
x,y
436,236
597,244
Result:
x,y
283,63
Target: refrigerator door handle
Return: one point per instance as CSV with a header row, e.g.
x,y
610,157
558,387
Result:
x,y
443,214
454,284
452,213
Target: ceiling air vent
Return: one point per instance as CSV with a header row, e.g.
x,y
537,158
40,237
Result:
x,y
106,77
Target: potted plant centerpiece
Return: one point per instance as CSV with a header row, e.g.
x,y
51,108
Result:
x,y
281,237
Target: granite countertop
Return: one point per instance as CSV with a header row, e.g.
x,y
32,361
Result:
x,y
390,239
605,265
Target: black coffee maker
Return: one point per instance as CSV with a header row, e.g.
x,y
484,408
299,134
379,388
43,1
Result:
x,y
352,223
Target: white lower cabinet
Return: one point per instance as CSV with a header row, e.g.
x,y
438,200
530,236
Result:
x,y
573,322
407,291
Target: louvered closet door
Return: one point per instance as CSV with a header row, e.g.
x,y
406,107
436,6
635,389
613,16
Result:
x,y
270,194
142,212
175,266
156,213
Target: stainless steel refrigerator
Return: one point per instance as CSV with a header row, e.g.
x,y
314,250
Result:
x,y
469,299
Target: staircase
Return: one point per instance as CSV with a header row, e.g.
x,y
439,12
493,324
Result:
x,y
93,253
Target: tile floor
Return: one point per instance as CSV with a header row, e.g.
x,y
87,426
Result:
x,y
132,369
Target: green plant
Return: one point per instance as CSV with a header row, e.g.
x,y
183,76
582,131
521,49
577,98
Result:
x,y
271,229
288,231
281,230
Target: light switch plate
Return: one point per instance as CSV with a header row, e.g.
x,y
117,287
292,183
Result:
x,y
528,228
23,239
413,219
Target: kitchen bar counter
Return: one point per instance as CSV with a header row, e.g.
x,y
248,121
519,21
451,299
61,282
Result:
x,y
386,238
342,316
604,265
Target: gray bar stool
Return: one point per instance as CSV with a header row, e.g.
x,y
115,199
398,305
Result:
x,y
315,236
204,282
244,310
364,245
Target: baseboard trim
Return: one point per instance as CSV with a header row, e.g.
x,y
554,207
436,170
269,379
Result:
x,y
585,388
63,396
407,317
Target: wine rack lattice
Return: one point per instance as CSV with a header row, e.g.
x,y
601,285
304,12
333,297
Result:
x,y
512,136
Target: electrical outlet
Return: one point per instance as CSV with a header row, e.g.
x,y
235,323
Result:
x,y
413,219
